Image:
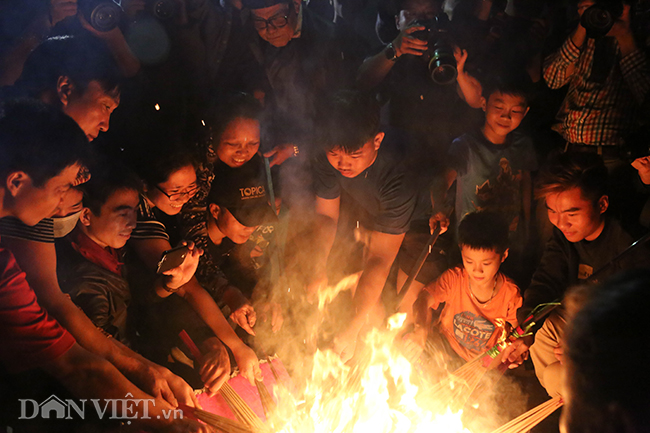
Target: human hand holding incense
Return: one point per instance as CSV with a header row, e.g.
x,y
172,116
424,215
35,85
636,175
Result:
x,y
517,352
414,342
182,391
248,363
214,365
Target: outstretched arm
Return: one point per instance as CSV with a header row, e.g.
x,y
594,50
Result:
x,y
87,375
327,218
149,251
382,250
38,260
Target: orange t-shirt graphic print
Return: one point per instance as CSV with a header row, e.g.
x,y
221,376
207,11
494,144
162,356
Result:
x,y
466,323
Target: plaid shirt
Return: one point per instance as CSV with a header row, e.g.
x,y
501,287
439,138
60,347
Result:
x,y
596,113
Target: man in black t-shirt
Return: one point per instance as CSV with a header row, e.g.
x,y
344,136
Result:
x,y
583,243
355,163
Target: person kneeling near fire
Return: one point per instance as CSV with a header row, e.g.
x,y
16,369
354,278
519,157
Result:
x,y
479,300
236,206
91,269
41,151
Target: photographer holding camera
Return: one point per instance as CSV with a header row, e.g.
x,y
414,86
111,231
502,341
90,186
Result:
x,y
608,76
62,17
423,80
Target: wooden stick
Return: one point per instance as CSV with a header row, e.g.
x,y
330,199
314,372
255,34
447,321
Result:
x,y
241,409
530,419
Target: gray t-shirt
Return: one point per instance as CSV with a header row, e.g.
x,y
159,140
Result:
x,y
489,176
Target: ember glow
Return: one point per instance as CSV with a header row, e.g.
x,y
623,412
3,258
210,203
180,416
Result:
x,y
376,395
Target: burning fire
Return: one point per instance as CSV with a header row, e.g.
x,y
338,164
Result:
x,y
376,395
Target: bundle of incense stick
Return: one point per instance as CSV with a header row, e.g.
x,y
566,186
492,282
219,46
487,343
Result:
x,y
276,376
221,423
241,409
530,419
455,389
268,404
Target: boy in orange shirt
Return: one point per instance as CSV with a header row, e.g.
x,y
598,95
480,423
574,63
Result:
x,y
478,298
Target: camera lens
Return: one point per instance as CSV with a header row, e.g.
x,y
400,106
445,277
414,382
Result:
x,y
442,65
597,20
105,16
164,9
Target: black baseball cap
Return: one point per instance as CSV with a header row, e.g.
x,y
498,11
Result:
x,y
261,4
244,195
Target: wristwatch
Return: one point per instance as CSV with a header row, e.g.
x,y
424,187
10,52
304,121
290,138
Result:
x,y
390,52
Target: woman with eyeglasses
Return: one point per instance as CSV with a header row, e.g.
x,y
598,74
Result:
x,y
170,181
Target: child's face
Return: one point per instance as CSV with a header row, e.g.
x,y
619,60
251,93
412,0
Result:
x,y
482,265
504,113
353,164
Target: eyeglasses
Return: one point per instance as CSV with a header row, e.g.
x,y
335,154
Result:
x,y
277,22
178,196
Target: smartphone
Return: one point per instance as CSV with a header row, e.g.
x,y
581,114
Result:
x,y
172,258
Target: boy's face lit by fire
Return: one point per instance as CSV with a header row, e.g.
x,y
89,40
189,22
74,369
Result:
x,y
229,226
354,163
503,114
482,265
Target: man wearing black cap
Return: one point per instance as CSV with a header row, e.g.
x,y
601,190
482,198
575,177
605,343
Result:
x,y
236,206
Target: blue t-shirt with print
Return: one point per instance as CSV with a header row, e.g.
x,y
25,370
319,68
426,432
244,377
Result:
x,y
489,176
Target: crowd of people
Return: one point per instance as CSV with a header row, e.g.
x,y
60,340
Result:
x,y
257,145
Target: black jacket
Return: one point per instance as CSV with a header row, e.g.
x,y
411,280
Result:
x,y
565,264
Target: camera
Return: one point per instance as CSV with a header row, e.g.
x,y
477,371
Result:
x,y
163,9
599,18
102,15
440,53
